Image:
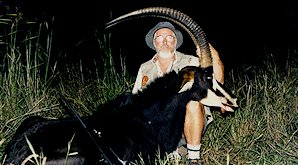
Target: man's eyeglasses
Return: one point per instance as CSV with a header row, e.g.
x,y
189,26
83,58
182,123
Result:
x,y
169,38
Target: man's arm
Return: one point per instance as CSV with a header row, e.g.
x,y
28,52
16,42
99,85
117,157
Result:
x,y
218,67
138,83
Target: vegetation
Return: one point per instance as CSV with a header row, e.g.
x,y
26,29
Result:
x,y
263,130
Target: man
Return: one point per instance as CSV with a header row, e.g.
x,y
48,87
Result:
x,y
164,38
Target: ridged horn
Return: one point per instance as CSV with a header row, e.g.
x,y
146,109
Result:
x,y
184,21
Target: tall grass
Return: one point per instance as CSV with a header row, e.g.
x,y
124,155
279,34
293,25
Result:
x,y
263,130
24,84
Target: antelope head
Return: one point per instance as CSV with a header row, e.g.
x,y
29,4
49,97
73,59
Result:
x,y
199,39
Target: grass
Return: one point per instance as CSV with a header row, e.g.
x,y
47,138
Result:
x,y
263,130
24,90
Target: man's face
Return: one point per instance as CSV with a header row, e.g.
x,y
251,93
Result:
x,y
165,41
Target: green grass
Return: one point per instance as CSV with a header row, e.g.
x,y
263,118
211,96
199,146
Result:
x,y
24,90
262,131
264,128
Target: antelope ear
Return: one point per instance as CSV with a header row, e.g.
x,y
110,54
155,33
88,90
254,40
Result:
x,y
187,74
186,86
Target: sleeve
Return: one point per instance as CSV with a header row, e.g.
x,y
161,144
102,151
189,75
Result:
x,y
138,83
194,61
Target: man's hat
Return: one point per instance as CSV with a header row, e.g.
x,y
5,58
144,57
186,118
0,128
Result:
x,y
150,34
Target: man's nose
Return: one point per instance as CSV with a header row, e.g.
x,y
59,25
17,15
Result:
x,y
164,40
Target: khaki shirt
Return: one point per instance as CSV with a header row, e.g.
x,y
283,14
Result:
x,y
150,70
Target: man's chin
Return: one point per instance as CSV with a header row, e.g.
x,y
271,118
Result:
x,y
165,54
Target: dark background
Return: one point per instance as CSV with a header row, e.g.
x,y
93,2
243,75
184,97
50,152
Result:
x,y
243,32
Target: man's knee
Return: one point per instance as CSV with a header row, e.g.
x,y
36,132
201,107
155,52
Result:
x,y
194,107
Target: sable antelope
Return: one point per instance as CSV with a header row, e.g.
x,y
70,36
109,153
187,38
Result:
x,y
133,124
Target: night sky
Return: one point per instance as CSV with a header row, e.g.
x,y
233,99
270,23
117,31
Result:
x,y
241,31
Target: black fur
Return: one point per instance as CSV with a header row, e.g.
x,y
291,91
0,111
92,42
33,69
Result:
x,y
144,123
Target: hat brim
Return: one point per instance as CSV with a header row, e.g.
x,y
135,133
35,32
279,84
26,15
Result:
x,y
149,36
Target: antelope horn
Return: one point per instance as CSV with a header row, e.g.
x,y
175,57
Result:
x,y
189,25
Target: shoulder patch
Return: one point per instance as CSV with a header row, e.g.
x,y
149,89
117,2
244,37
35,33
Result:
x,y
144,80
